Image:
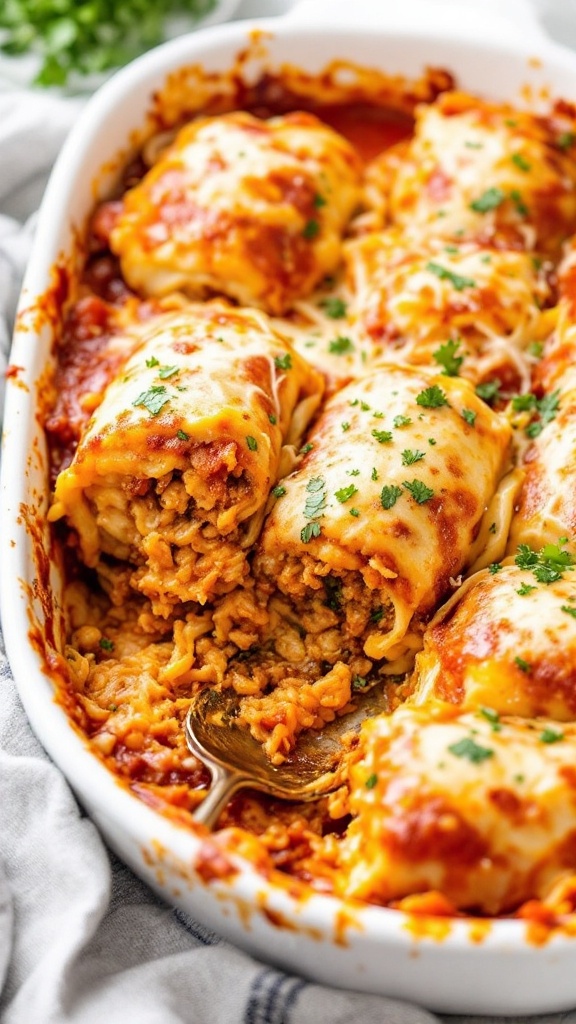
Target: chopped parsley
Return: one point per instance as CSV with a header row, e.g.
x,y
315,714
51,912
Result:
x,y
345,426
526,588
470,750
569,609
410,456
494,567
419,491
374,473
272,419
446,357
389,496
341,345
371,781
334,308
489,200
470,416
402,421
182,435
549,735
345,493
459,282
359,683
319,201
252,443
491,716
283,362
523,403
489,391
311,229
154,399
432,441
106,644
382,436
306,448
150,363
432,397
309,531
521,162
547,565
566,140
278,491
376,614
168,371
519,203
535,349
352,472
546,407
524,666
355,512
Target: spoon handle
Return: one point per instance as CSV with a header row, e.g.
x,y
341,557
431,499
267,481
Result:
x,y
224,784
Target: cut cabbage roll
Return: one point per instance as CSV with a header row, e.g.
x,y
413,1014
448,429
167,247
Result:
x,y
174,470
379,519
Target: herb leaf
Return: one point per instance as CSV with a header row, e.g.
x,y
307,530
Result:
x,y
432,397
334,307
470,750
409,457
389,496
345,493
446,357
419,491
489,200
154,399
341,345
459,282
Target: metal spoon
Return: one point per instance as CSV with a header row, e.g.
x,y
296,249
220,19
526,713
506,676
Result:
x,y
235,759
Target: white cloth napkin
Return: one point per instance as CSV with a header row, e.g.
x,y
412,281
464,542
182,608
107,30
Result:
x,y
81,938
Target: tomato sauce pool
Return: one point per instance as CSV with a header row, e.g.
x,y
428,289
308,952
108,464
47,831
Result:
x,y
369,129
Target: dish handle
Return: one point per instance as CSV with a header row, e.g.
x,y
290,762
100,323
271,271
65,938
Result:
x,y
492,21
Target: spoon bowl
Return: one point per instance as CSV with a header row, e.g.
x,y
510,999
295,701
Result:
x,y
236,760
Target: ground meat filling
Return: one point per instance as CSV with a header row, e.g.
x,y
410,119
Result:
x,y
171,529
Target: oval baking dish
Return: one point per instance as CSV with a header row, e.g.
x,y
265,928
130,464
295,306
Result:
x,y
453,965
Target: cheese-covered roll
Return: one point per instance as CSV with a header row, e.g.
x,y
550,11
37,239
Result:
x,y
448,802
508,645
462,306
173,472
485,171
249,208
547,503
398,472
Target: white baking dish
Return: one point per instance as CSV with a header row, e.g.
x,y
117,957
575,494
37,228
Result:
x,y
497,50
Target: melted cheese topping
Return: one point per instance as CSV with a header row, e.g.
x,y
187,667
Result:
x,y
443,801
410,296
253,209
508,645
364,457
482,171
200,414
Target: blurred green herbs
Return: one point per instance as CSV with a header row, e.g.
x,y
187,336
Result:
x,y
86,37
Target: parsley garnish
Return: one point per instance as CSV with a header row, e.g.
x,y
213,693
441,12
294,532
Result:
x,y
419,491
345,493
432,397
272,419
569,609
549,735
521,162
489,200
524,666
489,391
252,443
334,308
432,441
167,371
459,283
546,407
311,229
319,201
345,425
382,436
374,473
340,346
547,565
470,416
106,644
182,435
491,716
525,588
389,496
154,399
306,448
359,683
278,491
446,357
283,362
150,363
519,203
536,349
376,613
472,751
309,531
410,456
402,421
566,140
522,403
355,512
371,781
494,567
